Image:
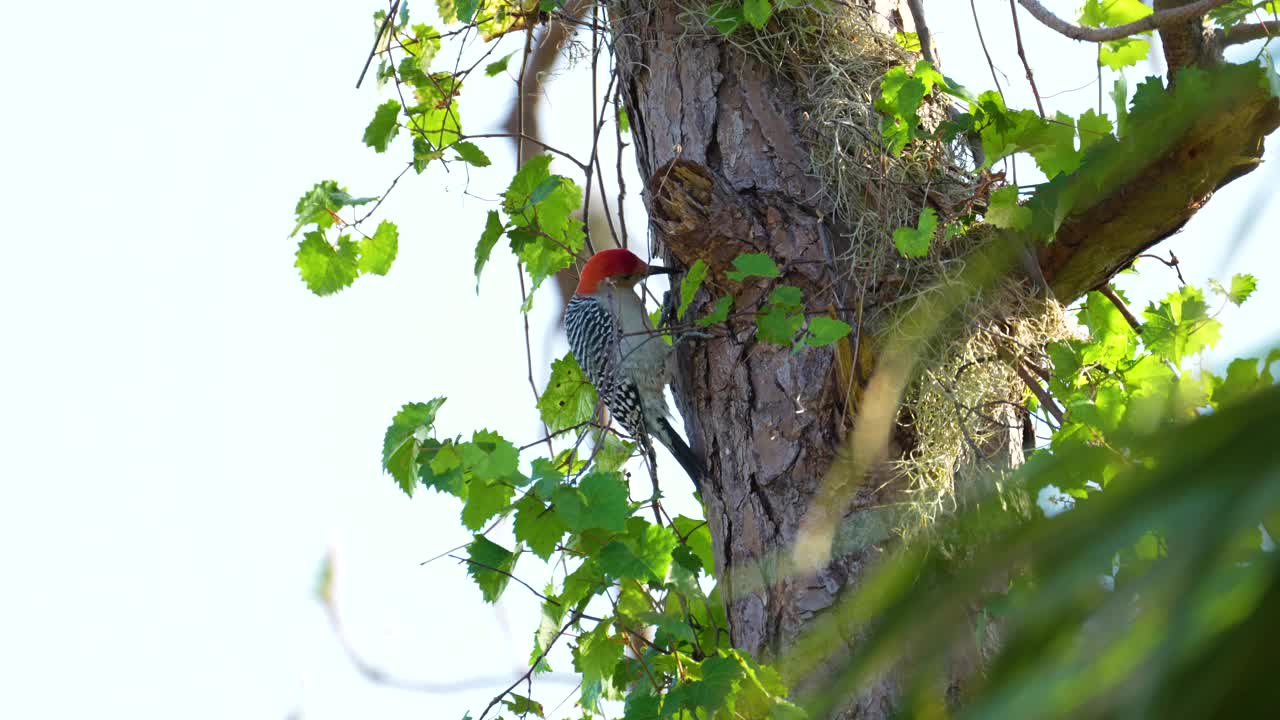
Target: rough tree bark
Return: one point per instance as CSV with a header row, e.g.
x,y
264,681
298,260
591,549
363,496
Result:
x,y
719,136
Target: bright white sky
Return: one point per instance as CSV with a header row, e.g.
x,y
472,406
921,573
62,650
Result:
x,y
186,429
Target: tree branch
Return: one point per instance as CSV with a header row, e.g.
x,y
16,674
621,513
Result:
x,y
1098,35
1148,203
922,32
1241,34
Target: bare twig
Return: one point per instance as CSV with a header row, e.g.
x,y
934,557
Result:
x,y
1172,263
378,41
983,42
1098,35
532,666
1046,400
1031,78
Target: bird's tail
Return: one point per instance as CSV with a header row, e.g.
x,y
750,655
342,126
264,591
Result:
x,y
683,454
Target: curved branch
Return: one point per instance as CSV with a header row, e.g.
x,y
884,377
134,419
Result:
x,y
1098,35
1241,34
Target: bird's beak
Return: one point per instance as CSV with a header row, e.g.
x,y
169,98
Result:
x,y
659,270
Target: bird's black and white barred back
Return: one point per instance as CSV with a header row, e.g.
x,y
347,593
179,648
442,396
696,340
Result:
x,y
609,358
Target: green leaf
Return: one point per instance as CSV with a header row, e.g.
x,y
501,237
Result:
x,y
466,10
753,265
600,501
1052,143
548,630
470,153
1004,211
719,312
787,297
492,231
619,562
908,41
1242,380
725,16
624,122
824,331
757,12
569,398
435,118
546,478
486,497
379,251
521,705
498,65
1092,127
643,554
1123,53
653,545
423,46
1112,13
1242,286
697,537
440,468
777,326
489,455
547,236
423,154
403,439
1120,98
538,526
596,654
1180,326
612,452
690,284
914,242
317,205
490,566
324,268
383,127
545,188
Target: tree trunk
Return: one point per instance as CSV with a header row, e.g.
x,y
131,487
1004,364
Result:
x,y
723,139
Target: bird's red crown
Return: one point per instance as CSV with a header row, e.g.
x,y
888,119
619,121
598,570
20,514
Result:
x,y
606,264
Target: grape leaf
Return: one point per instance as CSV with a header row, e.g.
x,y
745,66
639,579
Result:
x,y
492,231
1242,286
379,251
600,501
719,312
489,455
753,265
690,284
569,398
824,331
383,128
1180,326
318,205
486,497
1004,211
403,439
757,12
471,154
538,526
914,242
324,268
498,65
725,16
490,566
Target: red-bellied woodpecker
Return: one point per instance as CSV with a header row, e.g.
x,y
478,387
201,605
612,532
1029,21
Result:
x,y
621,354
